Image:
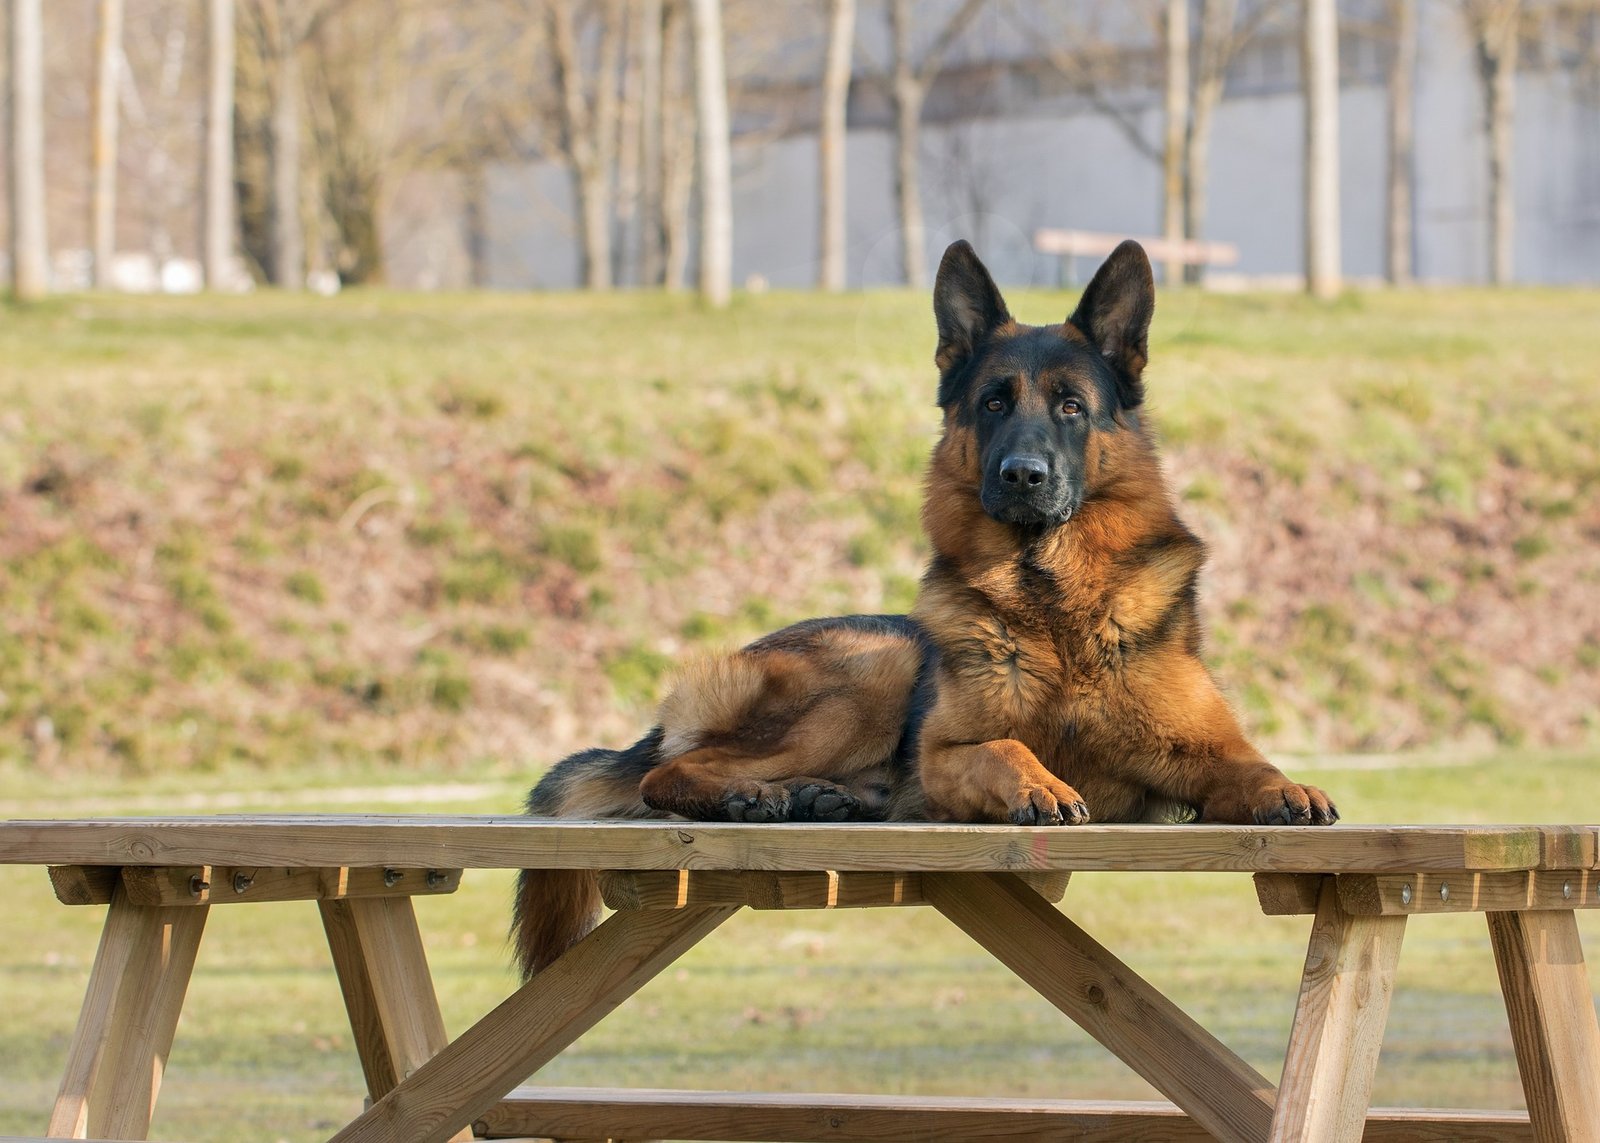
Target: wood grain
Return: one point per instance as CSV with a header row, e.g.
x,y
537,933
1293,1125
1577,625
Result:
x,y
224,885
1288,894
227,884
577,1113
122,931
1149,1033
146,1019
1397,894
1338,1025
84,884
118,1052
1553,1026
823,889
515,842
366,1026
532,1025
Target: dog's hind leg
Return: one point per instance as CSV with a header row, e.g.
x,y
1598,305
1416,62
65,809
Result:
x,y
802,728
716,784
806,770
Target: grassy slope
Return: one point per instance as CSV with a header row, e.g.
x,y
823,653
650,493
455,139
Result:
x,y
895,1001
399,530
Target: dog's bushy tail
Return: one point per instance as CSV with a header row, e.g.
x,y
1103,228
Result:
x,y
556,908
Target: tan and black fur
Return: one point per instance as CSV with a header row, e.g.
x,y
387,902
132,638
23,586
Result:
x,y
1049,671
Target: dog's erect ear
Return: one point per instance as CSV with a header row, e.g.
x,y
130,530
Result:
x,y
967,306
1114,314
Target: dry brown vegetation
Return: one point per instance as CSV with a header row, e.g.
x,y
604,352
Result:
x,y
390,530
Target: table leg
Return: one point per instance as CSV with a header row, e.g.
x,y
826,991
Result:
x,y
350,964
1338,1024
532,1025
1553,1024
383,972
1223,1093
130,1012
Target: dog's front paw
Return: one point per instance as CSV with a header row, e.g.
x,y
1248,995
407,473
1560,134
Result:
x,y
1290,803
1054,804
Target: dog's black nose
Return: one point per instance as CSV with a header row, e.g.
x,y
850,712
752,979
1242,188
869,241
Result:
x,y
1024,470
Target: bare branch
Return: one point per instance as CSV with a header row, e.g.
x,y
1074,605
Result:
x,y
933,59
1083,82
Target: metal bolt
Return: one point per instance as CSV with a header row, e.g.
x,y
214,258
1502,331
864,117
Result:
x,y
1444,890
391,877
1405,893
436,879
1566,890
242,881
198,885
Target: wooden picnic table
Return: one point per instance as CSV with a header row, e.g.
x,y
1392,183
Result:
x,y
672,883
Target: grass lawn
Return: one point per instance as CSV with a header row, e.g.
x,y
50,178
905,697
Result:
x,y
893,1000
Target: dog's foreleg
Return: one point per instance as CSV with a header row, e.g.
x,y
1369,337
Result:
x,y
996,781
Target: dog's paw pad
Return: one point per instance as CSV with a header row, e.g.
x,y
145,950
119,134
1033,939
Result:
x,y
766,804
819,802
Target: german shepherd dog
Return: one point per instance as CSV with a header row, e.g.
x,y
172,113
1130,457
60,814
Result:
x,y
1049,670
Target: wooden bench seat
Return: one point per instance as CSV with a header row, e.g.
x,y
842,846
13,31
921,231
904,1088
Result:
x,y
644,1113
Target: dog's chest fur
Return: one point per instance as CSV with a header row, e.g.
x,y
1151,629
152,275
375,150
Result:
x,y
1052,655
1049,643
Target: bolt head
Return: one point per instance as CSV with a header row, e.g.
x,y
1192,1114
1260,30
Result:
x,y
1405,893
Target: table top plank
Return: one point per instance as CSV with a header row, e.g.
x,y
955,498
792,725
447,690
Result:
x,y
516,842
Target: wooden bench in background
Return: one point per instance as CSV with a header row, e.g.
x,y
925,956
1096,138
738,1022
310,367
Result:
x,y
1070,245
672,883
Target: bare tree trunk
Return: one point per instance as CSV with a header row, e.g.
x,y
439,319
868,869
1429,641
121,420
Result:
x,y
30,259
600,218
1320,52
716,176
588,131
1496,24
475,223
103,148
631,115
908,88
1173,159
217,201
1216,50
288,230
594,214
831,141
1402,122
906,93
678,149
651,101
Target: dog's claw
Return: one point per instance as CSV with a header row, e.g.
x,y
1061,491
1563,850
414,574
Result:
x,y
1295,805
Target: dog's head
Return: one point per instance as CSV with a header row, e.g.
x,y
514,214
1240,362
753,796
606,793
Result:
x,y
1032,397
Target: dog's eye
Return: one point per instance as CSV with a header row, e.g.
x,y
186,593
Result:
x,y
1071,407
995,405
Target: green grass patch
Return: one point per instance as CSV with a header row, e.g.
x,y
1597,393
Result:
x,y
280,499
